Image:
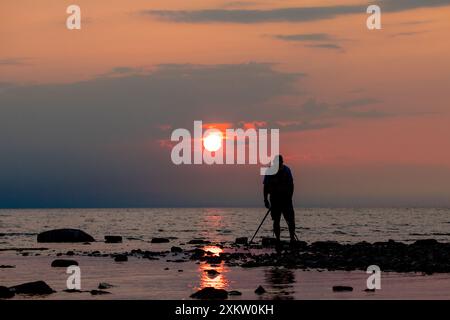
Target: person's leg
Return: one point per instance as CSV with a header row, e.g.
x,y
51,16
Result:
x,y
289,216
276,217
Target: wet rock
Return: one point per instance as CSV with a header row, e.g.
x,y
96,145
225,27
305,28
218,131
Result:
x,y
197,254
64,235
241,240
113,239
325,246
210,293
268,242
120,258
176,249
425,242
35,288
199,241
104,285
260,290
6,266
212,272
99,292
73,291
298,244
160,240
63,263
213,259
6,293
234,293
181,270
342,288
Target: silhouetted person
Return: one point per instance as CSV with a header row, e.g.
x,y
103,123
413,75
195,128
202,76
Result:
x,y
280,187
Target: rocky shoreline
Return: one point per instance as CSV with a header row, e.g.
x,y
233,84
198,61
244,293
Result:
x,y
422,256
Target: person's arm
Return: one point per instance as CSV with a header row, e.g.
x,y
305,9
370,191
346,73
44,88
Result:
x,y
266,192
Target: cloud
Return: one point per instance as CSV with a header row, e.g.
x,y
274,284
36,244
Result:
x,y
253,16
407,34
291,14
304,37
312,39
331,46
98,142
20,61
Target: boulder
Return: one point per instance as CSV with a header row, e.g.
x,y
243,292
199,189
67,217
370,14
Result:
x,y
426,242
210,293
342,289
241,240
199,241
176,249
234,293
104,285
63,263
99,292
64,235
37,287
260,290
212,273
6,293
121,258
113,239
160,240
268,242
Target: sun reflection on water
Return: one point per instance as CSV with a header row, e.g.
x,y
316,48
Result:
x,y
213,275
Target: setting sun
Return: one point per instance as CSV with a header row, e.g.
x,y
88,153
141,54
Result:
x,y
213,141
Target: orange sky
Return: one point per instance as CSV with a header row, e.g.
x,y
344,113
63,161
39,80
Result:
x,y
404,68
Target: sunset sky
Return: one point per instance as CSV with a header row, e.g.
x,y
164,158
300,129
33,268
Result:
x,y
86,115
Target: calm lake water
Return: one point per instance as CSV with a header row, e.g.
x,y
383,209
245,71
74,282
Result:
x,y
20,227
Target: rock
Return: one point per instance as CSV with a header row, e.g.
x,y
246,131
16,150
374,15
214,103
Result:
x,y
180,270
64,235
99,292
234,293
342,289
268,242
176,249
260,290
212,273
369,290
426,242
113,239
37,287
104,285
6,293
241,240
210,293
160,240
73,291
63,263
197,254
199,241
6,266
70,253
120,258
